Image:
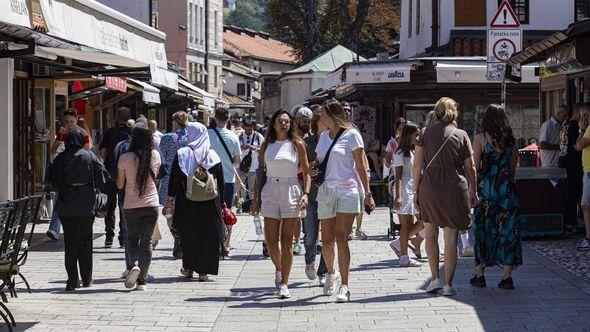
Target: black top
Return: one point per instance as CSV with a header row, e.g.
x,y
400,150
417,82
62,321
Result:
x,y
569,157
111,138
371,163
311,143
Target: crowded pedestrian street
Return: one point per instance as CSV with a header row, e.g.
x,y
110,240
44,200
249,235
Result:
x,y
242,297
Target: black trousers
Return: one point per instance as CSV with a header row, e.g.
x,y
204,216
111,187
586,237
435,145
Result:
x,y
78,248
110,220
574,184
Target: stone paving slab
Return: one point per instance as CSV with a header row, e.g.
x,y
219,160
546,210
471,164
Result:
x,y
385,297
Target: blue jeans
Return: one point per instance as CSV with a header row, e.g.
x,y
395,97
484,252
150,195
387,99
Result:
x,y
55,224
228,196
311,228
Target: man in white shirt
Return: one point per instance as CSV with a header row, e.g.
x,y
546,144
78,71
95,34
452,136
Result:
x,y
250,143
549,138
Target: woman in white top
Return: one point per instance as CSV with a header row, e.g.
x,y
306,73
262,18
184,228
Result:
x,y
339,198
283,200
403,161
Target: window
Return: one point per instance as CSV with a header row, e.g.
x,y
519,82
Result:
x,y
410,18
191,72
216,29
470,13
521,9
582,9
417,17
194,23
241,89
216,76
203,38
190,23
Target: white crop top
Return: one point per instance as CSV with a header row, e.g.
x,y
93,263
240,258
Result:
x,y
281,159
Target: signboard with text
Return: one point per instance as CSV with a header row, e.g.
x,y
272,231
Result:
x,y
15,12
382,73
504,40
116,83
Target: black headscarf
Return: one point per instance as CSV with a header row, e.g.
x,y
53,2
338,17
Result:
x,y
74,142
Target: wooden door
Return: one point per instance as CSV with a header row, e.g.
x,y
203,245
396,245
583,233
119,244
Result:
x,y
470,13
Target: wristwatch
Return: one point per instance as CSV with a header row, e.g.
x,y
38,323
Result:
x,y
368,193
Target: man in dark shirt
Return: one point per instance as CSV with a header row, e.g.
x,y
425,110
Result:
x,y
111,138
571,160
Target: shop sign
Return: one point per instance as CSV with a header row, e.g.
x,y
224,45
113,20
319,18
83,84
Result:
x,y
15,12
164,78
383,73
71,20
116,83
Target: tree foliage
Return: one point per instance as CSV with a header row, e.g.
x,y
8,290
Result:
x,y
314,26
249,14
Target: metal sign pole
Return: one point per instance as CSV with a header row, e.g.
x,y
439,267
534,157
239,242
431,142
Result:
x,y
503,98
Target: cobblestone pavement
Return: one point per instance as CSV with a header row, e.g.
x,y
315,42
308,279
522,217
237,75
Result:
x,y
385,297
562,251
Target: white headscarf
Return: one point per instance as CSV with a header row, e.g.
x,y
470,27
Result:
x,y
198,149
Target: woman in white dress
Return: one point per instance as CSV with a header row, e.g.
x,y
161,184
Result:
x,y
403,161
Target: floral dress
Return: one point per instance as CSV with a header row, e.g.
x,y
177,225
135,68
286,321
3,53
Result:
x,y
496,217
169,145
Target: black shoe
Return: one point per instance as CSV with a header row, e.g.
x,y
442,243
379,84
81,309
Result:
x,y
87,284
506,284
71,287
108,242
265,250
478,281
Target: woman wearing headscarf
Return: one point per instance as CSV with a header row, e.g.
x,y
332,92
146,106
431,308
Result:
x,y
74,173
199,224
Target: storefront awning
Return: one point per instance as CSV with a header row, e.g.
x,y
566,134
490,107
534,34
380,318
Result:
x,y
475,72
379,72
151,94
15,12
90,23
88,55
208,99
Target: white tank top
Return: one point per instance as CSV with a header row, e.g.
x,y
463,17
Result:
x,y
281,159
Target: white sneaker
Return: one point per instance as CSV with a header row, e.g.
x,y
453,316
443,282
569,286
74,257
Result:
x,y
125,274
330,284
141,287
278,278
406,261
448,290
131,278
310,271
284,292
322,280
434,286
343,294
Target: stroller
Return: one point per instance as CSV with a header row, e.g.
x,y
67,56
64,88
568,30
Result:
x,y
394,228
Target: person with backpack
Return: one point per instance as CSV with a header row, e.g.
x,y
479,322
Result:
x,y
137,175
250,143
111,138
77,174
196,191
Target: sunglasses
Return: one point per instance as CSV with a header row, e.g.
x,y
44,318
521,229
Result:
x,y
69,113
283,121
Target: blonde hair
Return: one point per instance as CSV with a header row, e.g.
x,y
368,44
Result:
x,y
334,109
446,110
181,118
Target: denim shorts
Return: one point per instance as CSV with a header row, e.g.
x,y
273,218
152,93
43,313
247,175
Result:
x,y
586,190
333,200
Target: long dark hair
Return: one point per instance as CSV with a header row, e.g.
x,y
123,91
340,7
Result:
x,y
495,122
141,145
405,145
271,133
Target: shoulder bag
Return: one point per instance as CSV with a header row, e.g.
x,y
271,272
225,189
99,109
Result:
x,y
321,168
439,149
100,199
201,186
246,162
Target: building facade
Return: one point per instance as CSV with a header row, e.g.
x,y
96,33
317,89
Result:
x,y
434,26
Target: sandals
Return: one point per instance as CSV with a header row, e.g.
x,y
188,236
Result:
x,y
186,273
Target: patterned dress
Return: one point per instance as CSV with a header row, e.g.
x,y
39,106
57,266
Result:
x,y
497,218
169,145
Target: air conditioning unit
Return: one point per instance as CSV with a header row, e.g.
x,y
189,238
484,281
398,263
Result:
x,y
41,70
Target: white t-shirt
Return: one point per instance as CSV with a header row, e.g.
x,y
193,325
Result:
x,y
550,132
406,162
341,169
255,139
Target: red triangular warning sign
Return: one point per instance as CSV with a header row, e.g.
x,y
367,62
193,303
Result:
x,y
505,17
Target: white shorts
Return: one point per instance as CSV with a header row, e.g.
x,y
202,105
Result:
x,y
280,198
333,200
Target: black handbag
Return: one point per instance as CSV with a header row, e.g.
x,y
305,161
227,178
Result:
x,y
100,199
321,168
246,162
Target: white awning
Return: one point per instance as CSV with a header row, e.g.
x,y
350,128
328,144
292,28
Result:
x,y
95,25
386,72
89,56
151,94
15,12
475,72
164,78
208,99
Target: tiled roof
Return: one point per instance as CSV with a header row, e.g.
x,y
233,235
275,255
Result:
x,y
241,42
240,69
236,101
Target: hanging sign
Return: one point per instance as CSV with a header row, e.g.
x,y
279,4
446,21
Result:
x,y
504,40
15,12
116,83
